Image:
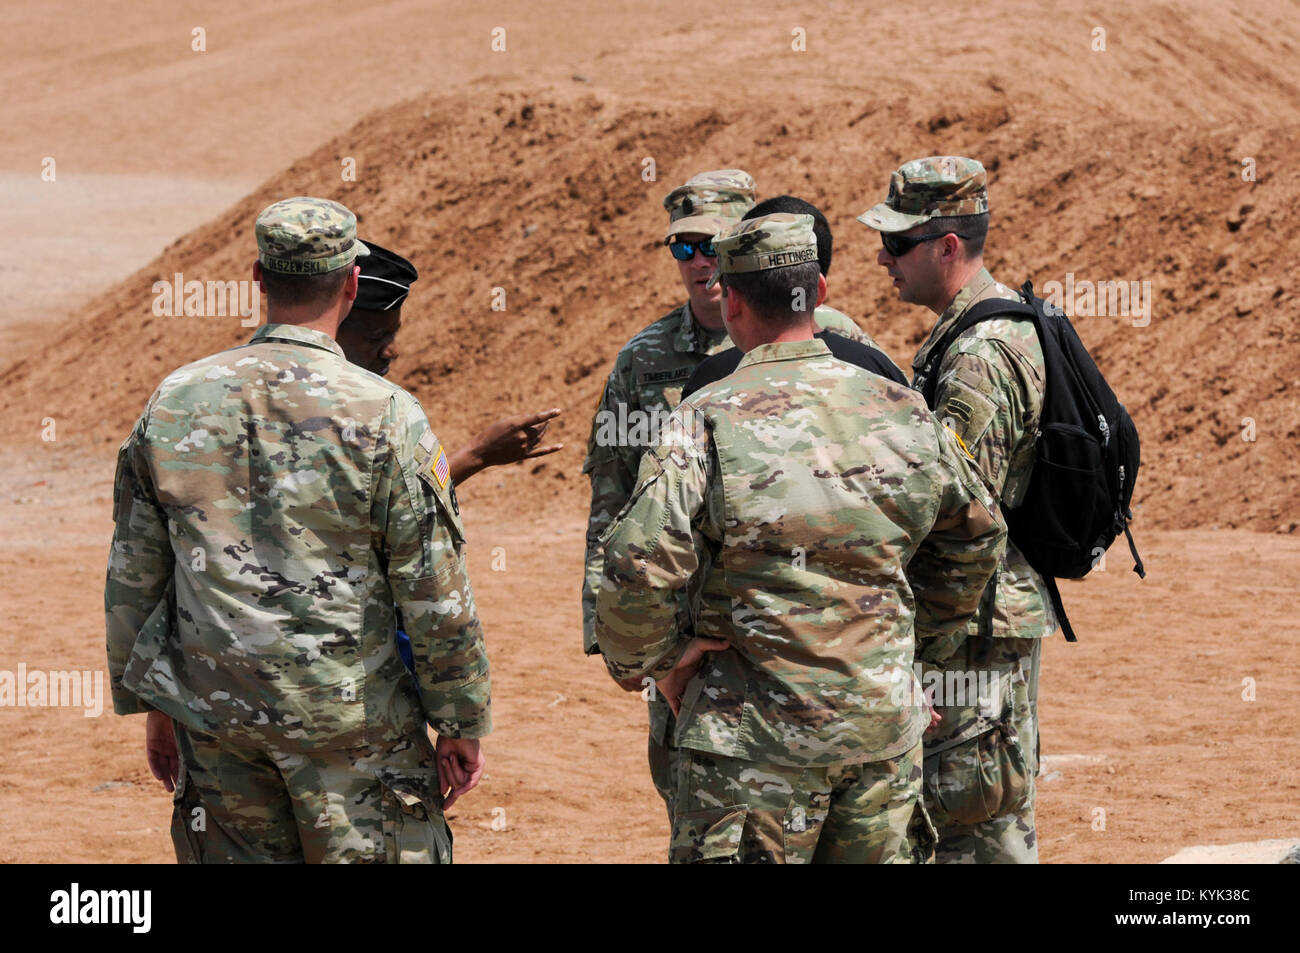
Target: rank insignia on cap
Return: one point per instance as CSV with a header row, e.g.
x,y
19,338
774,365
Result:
x,y
440,468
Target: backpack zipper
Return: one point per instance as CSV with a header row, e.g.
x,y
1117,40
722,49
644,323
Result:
x,y
1105,434
1121,520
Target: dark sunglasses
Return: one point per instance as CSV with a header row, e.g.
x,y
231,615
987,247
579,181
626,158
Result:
x,y
685,251
898,246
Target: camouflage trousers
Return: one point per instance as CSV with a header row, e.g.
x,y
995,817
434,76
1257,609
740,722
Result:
x,y
730,811
663,754
376,804
981,760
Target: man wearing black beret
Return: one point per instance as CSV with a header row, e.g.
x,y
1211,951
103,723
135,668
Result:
x,y
368,338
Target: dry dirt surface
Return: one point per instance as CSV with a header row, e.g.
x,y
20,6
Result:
x,y
1143,720
1165,158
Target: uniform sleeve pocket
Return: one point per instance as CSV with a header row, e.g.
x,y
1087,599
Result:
x,y
449,512
708,837
433,471
966,411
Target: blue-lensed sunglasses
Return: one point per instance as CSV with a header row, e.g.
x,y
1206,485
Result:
x,y
685,251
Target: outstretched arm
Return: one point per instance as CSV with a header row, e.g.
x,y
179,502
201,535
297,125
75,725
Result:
x,y
508,440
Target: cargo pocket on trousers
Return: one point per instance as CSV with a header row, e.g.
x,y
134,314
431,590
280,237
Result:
x,y
921,835
982,778
708,837
415,830
186,813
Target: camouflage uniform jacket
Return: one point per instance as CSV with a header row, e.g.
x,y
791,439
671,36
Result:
x,y
279,501
990,392
647,380
832,517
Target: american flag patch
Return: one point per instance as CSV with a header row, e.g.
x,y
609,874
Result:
x,y
440,468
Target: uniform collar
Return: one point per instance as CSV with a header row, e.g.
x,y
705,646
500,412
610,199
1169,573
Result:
x,y
974,290
693,337
293,334
785,351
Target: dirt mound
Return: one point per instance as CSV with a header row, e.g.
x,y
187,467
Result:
x,y
539,192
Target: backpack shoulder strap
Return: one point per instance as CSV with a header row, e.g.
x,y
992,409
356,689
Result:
x,y
1058,607
981,311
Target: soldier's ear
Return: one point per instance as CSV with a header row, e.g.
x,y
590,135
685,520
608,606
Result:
x,y
257,273
821,289
351,284
730,303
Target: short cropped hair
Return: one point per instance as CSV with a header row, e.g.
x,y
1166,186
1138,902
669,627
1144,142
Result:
x,y
794,206
291,290
974,228
775,294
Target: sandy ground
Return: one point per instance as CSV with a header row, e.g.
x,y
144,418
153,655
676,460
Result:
x,y
1143,719
524,169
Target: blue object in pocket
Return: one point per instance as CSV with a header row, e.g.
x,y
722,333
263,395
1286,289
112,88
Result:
x,y
404,649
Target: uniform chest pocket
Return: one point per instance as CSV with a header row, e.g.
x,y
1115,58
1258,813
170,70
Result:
x,y
639,428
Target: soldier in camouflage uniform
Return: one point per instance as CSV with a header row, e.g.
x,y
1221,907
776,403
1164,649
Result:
x,y
982,758
789,500
273,504
646,384
368,337
826,316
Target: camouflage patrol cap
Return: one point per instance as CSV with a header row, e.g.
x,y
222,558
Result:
x,y
935,187
778,240
709,202
307,236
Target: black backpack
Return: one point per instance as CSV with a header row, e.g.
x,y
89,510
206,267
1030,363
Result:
x,y
1085,459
